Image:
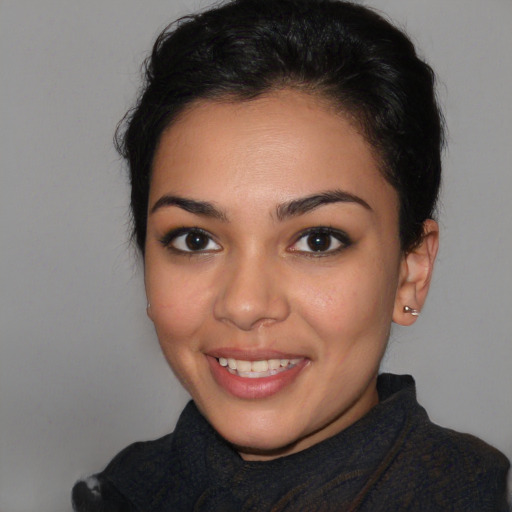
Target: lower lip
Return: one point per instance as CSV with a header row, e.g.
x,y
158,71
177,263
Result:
x,y
247,388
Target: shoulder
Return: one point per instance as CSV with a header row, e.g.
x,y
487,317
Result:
x,y
453,471
455,450
434,468
103,492
96,494
150,475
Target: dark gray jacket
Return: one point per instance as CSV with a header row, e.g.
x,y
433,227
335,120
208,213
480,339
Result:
x,y
393,459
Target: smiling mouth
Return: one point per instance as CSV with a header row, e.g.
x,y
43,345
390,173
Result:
x,y
257,369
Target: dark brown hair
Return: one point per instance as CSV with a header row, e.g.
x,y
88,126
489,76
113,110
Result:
x,y
344,52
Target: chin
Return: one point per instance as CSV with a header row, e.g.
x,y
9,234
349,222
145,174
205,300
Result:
x,y
252,446
257,435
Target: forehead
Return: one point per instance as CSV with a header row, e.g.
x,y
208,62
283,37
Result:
x,y
271,149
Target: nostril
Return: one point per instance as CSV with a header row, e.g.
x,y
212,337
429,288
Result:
x,y
251,313
251,295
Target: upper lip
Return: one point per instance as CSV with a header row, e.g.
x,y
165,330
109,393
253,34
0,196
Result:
x,y
252,355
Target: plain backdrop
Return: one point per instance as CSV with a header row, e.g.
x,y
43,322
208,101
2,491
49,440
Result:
x,y
81,374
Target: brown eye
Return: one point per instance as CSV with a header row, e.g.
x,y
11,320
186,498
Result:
x,y
190,240
319,241
322,241
196,241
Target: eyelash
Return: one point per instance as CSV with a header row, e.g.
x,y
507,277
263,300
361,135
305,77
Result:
x,y
339,236
170,238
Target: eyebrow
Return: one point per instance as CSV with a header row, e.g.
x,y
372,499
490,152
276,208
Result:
x,y
203,208
304,205
292,208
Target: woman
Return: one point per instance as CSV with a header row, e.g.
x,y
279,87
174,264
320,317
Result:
x,y
285,164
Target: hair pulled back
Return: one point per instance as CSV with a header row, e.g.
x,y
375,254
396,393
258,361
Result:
x,y
363,65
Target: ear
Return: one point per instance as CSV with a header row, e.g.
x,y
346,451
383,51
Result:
x,y
416,270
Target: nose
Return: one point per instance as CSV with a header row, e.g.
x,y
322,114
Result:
x,y
252,294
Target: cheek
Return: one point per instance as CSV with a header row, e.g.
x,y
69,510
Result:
x,y
351,303
179,310
179,303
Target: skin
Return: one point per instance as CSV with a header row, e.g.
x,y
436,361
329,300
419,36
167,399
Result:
x,y
257,286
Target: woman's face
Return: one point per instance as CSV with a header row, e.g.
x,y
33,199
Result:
x,y
272,267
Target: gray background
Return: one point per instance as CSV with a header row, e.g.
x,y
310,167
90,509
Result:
x,y
81,374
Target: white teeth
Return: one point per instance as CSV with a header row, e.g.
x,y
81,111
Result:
x,y
253,375
257,369
274,364
244,366
259,366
